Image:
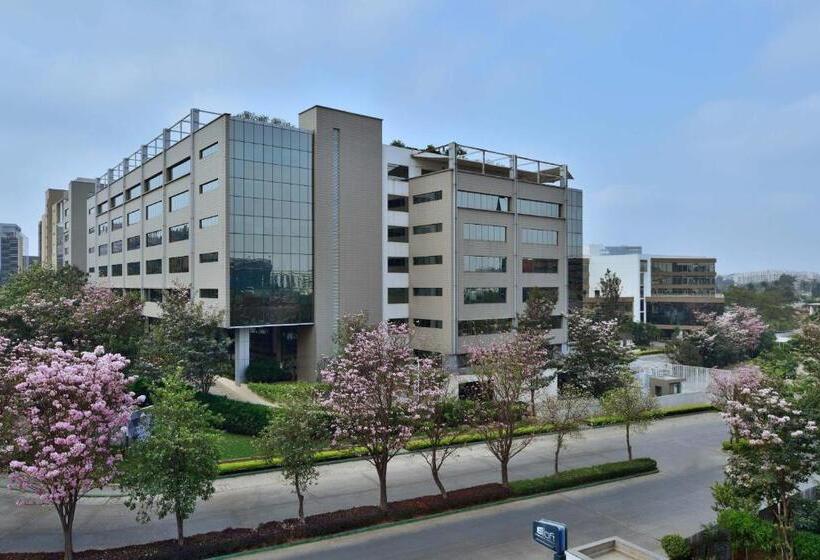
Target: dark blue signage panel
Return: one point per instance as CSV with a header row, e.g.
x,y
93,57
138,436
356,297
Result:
x,y
551,534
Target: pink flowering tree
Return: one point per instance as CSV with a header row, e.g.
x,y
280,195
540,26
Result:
x,y
734,336
727,385
8,396
778,454
378,392
71,410
597,362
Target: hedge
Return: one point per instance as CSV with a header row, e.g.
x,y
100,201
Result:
x,y
660,413
581,476
238,417
228,541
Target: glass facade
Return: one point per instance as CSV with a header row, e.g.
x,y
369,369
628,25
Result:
x,y
481,201
679,313
485,232
485,295
484,264
539,236
271,224
539,208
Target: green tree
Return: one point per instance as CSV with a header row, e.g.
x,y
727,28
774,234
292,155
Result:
x,y
293,436
176,465
597,361
608,301
564,414
48,283
187,339
631,406
442,427
643,334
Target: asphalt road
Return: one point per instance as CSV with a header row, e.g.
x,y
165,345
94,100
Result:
x,y
642,510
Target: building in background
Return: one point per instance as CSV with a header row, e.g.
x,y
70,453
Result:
x,y
604,250
62,228
665,291
285,229
13,248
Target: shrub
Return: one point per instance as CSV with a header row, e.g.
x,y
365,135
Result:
x,y
583,475
285,390
266,370
676,547
747,531
806,545
238,417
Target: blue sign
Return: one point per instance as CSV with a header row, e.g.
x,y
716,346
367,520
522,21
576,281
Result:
x,y
551,534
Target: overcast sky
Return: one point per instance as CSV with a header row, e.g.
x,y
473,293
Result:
x,y
693,127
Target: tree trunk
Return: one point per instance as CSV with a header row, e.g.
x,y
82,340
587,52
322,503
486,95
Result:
x,y
66,514
505,478
437,479
301,505
180,534
381,470
628,444
532,402
557,451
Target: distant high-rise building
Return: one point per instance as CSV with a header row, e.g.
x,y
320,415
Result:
x,y
12,251
62,228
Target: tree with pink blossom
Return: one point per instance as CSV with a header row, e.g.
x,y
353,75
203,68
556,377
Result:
x,y
727,385
71,409
378,391
779,452
8,395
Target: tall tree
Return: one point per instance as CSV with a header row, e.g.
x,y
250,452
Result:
x,y
536,323
378,388
48,283
608,304
187,339
70,411
565,415
597,362
293,436
176,465
631,406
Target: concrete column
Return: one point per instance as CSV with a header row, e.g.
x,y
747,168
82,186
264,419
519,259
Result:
x,y
242,354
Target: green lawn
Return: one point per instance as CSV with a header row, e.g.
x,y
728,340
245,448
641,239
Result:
x,y
235,446
278,392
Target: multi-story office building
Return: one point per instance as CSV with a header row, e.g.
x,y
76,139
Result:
x,y
284,229
62,229
664,291
13,248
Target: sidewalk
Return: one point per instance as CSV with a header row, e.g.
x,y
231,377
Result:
x,y
228,388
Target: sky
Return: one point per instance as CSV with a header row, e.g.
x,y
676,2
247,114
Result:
x,y
692,127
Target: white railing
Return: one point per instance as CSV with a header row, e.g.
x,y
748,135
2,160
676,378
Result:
x,y
694,379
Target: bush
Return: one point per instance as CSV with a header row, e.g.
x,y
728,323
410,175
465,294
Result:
x,y
746,530
266,370
285,390
806,545
583,475
676,547
238,417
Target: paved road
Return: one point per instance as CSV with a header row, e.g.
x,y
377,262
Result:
x,y
687,448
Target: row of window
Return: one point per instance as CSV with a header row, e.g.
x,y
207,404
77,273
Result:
x,y
498,203
398,203
471,295
176,202
175,233
154,266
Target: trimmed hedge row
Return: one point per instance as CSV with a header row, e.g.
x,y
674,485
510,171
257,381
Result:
x,y
582,475
661,413
238,417
227,541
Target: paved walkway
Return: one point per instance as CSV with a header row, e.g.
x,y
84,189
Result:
x,y
687,449
228,388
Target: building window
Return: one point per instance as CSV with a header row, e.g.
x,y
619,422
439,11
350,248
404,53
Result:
x,y
116,200
153,266
178,233
427,228
133,217
539,266
539,208
435,259
91,250
116,270
133,242
428,323
116,224
102,207
103,271
209,257
178,264
397,295
400,172
481,201
153,294
91,230
485,232
397,203
91,270
473,263
208,222
179,169
530,291
102,228
208,293
102,250
421,292
153,182
179,201
556,321
209,186
397,264
397,234
133,192
116,247
133,268
539,236
485,295
153,238
209,150
426,197
484,326
153,210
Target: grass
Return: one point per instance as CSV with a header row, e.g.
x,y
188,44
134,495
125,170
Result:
x,y
239,464
282,391
235,446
